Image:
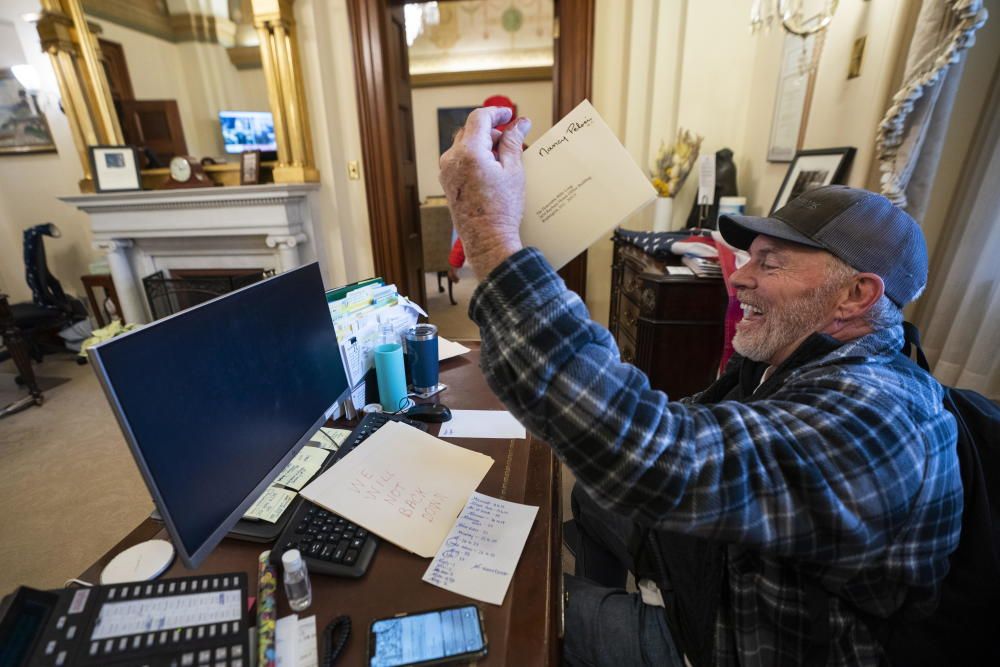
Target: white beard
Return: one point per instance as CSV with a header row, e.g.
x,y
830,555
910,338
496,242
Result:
x,y
782,325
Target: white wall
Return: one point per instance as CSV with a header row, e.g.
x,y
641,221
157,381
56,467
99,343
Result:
x,y
532,98
340,206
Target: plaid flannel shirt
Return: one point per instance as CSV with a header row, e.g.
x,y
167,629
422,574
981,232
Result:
x,y
847,473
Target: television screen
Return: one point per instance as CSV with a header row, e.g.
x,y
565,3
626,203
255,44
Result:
x,y
247,131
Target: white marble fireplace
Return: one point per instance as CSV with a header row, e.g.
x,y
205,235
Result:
x,y
256,226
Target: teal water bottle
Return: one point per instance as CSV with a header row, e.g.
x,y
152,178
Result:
x,y
389,371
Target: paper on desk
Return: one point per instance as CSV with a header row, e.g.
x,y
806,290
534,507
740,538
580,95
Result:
x,y
679,271
330,438
403,485
271,504
295,641
580,183
449,348
301,469
481,424
479,555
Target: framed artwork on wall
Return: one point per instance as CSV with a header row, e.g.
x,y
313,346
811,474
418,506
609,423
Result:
x,y
115,168
813,169
793,97
450,120
23,128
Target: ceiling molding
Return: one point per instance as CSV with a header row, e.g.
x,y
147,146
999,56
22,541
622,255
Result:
x,y
146,16
508,75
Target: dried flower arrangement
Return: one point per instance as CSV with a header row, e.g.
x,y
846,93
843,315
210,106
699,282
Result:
x,y
673,164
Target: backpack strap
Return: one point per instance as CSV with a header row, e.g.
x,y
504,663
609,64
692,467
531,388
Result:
x,y
911,342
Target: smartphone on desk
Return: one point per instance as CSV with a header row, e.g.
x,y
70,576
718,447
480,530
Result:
x,y
435,637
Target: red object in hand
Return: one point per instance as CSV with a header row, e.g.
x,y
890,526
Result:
x,y
502,101
457,256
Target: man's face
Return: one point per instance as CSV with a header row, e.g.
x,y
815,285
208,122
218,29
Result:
x,y
787,293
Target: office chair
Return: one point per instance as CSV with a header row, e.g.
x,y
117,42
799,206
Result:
x,y
50,309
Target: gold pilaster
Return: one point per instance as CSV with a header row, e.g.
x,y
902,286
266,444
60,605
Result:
x,y
280,58
86,95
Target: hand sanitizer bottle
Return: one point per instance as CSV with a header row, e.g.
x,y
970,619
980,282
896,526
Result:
x,y
297,586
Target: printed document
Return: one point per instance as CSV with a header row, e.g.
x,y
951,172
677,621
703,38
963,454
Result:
x,y
479,555
580,182
295,641
448,349
481,424
402,484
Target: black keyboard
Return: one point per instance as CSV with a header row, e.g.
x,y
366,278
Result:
x,y
330,544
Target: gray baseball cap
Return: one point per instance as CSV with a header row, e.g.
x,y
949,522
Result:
x,y
860,227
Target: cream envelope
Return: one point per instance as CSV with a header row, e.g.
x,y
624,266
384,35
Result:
x,y
580,183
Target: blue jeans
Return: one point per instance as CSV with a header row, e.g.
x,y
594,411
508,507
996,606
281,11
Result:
x,y
606,625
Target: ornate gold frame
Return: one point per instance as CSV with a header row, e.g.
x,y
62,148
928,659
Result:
x,y
86,96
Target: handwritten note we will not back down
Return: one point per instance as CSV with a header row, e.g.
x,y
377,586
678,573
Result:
x,y
402,484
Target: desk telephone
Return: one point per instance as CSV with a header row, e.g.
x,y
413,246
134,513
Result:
x,y
184,622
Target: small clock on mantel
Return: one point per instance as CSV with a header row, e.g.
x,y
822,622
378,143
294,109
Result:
x,y
186,172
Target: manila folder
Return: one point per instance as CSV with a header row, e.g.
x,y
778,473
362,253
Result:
x,y
402,484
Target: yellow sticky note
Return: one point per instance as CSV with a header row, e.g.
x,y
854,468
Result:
x,y
271,504
330,438
302,468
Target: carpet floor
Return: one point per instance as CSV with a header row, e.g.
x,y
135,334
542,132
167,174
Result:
x,y
71,489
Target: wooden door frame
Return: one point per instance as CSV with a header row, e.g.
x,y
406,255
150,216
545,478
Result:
x,y
572,83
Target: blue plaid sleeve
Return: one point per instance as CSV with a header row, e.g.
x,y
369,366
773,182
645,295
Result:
x,y
828,470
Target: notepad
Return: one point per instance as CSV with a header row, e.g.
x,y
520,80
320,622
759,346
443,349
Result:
x,y
478,557
403,485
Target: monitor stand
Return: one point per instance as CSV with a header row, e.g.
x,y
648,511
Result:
x,y
142,562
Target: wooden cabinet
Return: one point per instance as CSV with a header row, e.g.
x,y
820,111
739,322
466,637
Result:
x,y
669,327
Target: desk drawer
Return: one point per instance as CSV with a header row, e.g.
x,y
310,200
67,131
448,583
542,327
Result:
x,y
628,317
631,283
627,348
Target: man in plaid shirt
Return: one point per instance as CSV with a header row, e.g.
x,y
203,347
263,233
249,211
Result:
x,y
812,488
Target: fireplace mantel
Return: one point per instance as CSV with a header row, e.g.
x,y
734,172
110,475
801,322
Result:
x,y
254,226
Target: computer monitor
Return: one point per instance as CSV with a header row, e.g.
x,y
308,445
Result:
x,y
216,400
248,131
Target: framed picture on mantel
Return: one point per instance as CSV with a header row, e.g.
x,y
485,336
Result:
x,y
115,168
249,167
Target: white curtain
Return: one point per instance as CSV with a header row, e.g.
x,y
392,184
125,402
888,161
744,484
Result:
x,y
910,136
960,314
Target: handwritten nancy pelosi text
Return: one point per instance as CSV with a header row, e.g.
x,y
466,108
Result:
x,y
571,129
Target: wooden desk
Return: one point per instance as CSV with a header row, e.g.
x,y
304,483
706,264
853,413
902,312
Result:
x,y
523,631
